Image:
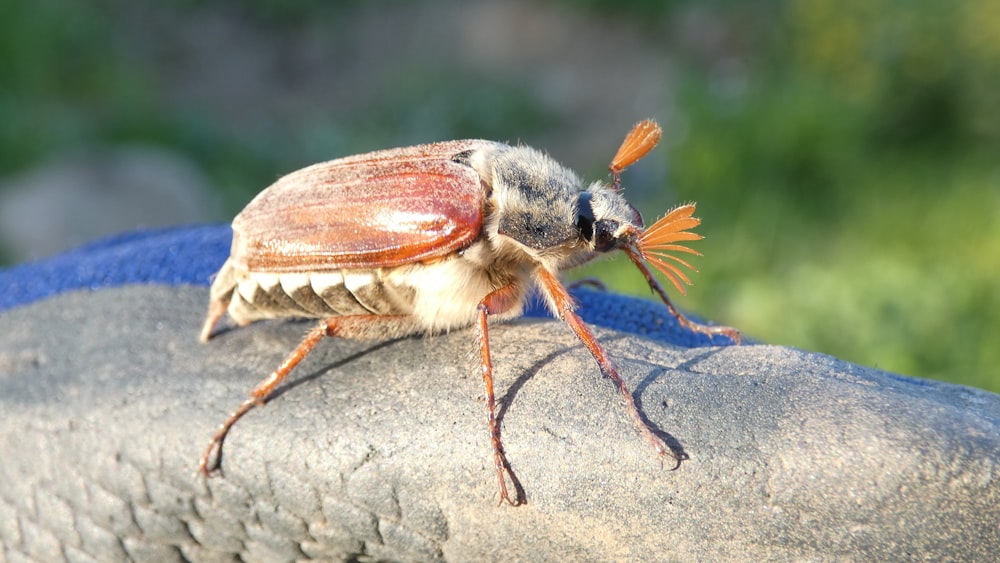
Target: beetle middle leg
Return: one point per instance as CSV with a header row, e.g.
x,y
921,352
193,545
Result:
x,y
708,330
497,301
357,326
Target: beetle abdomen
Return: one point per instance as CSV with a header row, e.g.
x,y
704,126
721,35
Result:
x,y
257,295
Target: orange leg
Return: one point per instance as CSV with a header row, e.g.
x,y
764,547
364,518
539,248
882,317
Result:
x,y
497,301
360,326
710,330
564,305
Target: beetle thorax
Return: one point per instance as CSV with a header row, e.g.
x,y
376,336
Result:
x,y
535,211
531,210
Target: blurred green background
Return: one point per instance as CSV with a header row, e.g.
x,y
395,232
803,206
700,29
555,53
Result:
x,y
844,154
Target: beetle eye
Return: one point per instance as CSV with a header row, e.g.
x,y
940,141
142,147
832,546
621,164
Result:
x,y
604,235
585,217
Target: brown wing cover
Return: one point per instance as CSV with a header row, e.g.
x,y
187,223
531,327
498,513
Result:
x,y
380,209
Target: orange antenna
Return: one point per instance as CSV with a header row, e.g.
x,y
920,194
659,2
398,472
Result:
x,y
656,243
637,144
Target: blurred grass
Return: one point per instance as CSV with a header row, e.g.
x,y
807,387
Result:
x,y
848,173
871,143
844,155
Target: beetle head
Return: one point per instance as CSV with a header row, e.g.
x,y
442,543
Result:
x,y
604,220
541,205
540,209
543,210
607,222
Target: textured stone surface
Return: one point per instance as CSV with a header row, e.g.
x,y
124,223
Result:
x,y
380,450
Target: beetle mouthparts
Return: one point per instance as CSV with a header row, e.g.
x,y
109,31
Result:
x,y
655,244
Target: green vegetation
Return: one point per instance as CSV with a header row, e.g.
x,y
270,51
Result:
x,y
849,178
845,155
869,156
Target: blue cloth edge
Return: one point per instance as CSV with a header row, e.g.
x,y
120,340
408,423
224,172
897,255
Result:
x,y
191,255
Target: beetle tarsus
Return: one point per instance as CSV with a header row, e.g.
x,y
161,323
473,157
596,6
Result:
x,y
212,464
505,473
708,330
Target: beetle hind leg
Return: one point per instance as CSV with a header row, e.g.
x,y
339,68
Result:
x,y
358,327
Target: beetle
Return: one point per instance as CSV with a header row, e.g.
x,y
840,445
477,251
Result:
x,y
434,237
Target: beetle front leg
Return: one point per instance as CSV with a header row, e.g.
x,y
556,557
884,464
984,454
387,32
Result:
x,y
708,330
360,326
497,301
563,303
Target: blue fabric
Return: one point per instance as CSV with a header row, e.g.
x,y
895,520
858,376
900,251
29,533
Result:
x,y
191,255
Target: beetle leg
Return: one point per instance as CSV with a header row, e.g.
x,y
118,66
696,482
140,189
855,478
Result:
x,y
360,326
558,295
497,301
591,282
654,284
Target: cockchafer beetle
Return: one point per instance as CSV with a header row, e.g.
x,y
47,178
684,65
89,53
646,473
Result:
x,y
435,237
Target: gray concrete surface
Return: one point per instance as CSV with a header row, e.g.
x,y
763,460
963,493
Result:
x,y
380,450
